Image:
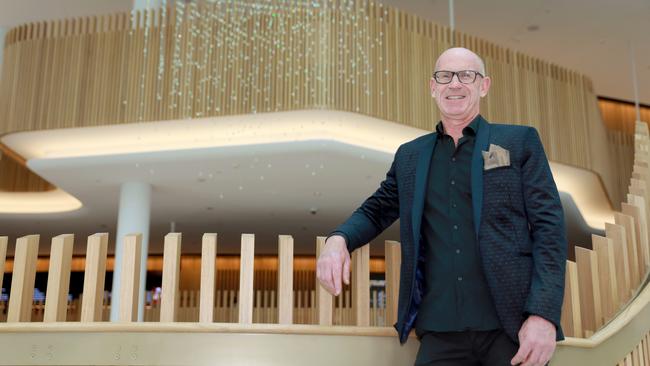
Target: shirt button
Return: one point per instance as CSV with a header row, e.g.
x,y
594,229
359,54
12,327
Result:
x,y
453,182
454,205
457,251
460,278
455,227
453,159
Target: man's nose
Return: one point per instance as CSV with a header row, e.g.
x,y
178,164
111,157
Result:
x,y
455,80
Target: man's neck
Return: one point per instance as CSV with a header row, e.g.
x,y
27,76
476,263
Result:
x,y
454,127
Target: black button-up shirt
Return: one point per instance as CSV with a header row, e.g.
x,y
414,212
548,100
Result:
x,y
456,295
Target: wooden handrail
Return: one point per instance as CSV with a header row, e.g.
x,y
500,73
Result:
x,y
606,288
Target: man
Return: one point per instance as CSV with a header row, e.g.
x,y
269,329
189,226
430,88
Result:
x,y
482,232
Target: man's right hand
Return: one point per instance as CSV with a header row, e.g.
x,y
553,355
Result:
x,y
334,264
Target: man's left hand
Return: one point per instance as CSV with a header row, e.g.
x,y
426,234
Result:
x,y
536,342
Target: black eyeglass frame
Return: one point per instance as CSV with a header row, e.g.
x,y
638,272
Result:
x,y
457,76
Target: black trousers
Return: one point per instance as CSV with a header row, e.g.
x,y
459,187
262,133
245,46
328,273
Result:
x,y
469,348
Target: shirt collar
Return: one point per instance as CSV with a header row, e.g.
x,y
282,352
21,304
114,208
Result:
x,y
471,129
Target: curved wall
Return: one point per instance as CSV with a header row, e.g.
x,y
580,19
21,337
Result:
x,y
224,58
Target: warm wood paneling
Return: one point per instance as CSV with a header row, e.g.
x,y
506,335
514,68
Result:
x,y
201,59
16,177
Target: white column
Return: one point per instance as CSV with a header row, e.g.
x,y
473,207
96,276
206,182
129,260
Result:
x,y
133,217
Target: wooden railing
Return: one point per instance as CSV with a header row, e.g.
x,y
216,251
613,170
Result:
x,y
357,305
606,289
265,307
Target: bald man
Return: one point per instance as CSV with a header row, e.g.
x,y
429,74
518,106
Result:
x,y
482,232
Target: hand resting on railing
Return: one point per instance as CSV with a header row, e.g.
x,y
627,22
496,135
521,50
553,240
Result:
x,y
334,264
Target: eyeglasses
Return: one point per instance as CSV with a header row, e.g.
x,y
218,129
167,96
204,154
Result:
x,y
464,76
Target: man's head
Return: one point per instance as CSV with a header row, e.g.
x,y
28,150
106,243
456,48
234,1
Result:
x,y
459,98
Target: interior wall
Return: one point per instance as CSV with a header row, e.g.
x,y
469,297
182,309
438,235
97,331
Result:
x,y
180,62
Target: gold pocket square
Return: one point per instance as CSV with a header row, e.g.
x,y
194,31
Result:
x,y
495,157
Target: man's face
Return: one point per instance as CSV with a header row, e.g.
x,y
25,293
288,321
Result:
x,y
458,101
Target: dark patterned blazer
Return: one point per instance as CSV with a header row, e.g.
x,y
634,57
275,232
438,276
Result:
x,y
518,221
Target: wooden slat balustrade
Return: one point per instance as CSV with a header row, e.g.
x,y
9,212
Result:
x,y
56,304
208,273
602,282
94,277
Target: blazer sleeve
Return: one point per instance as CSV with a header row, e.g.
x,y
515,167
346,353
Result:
x,y
547,230
376,213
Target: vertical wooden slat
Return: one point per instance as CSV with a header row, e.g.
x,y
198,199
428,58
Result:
x,y
361,286
617,234
646,348
627,222
571,318
606,274
170,277
636,213
285,279
246,271
58,279
94,277
3,256
590,303
130,281
642,225
635,357
23,279
393,260
208,272
640,352
324,299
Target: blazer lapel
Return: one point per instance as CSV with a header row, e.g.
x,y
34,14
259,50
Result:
x,y
421,174
481,144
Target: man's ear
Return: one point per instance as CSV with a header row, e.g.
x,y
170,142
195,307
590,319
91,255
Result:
x,y
432,87
485,86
